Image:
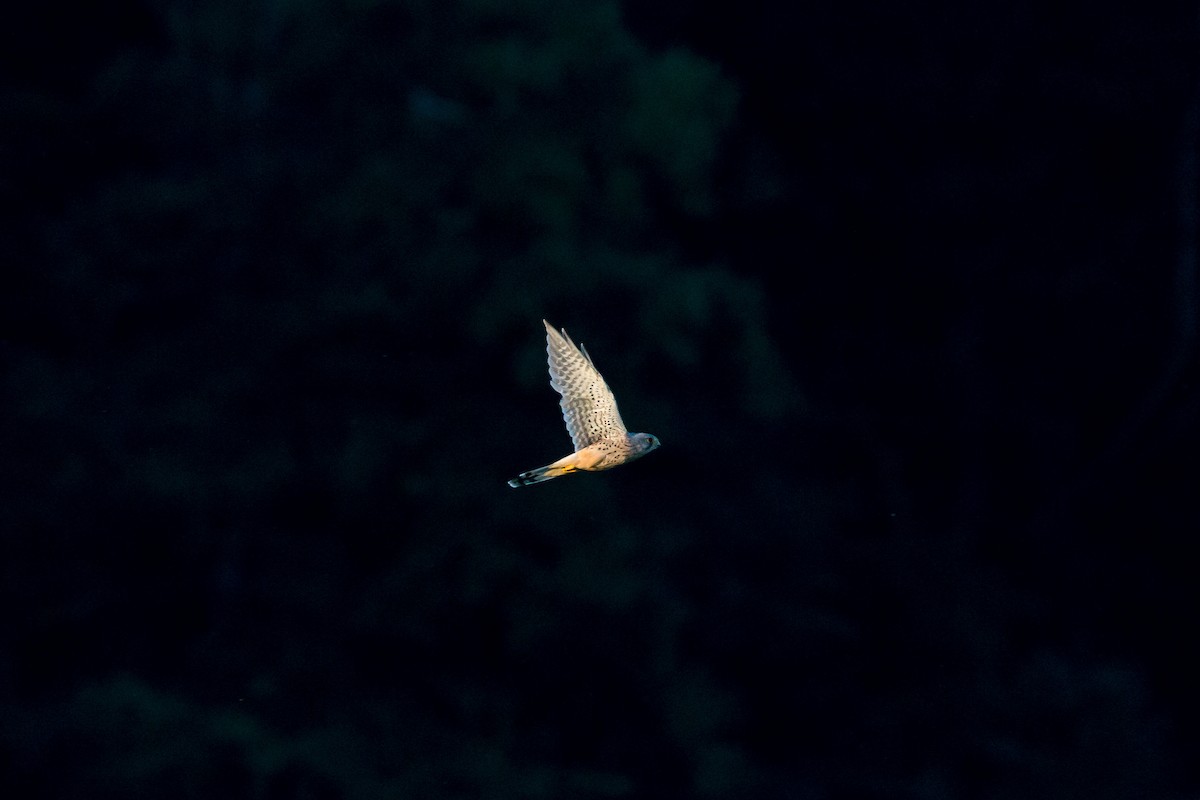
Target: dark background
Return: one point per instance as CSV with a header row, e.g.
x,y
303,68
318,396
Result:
x,y
908,291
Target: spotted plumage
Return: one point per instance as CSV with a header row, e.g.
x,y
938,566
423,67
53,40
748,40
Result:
x,y
590,413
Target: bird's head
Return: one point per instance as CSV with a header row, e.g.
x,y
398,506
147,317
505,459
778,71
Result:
x,y
645,442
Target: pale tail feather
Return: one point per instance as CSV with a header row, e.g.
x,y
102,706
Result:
x,y
540,475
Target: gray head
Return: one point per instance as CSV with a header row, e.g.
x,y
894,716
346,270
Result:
x,y
643,442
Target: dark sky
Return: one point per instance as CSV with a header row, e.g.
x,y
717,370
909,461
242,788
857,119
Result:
x,y
908,292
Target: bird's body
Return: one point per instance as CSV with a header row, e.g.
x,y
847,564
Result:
x,y
590,412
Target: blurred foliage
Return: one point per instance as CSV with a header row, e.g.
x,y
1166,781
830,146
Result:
x,y
270,405
273,347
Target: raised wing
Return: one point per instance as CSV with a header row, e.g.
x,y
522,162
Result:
x,y
588,405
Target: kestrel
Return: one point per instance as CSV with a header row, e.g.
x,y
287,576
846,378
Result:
x,y
590,411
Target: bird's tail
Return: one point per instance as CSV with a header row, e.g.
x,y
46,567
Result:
x,y
541,474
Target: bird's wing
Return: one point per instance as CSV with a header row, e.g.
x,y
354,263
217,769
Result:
x,y
588,405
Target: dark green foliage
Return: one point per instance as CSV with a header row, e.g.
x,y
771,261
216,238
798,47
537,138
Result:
x,y
271,414
272,346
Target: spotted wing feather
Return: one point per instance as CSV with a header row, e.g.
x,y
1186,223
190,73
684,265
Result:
x,y
588,405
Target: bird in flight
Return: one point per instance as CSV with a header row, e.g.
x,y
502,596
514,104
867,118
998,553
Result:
x,y
590,411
